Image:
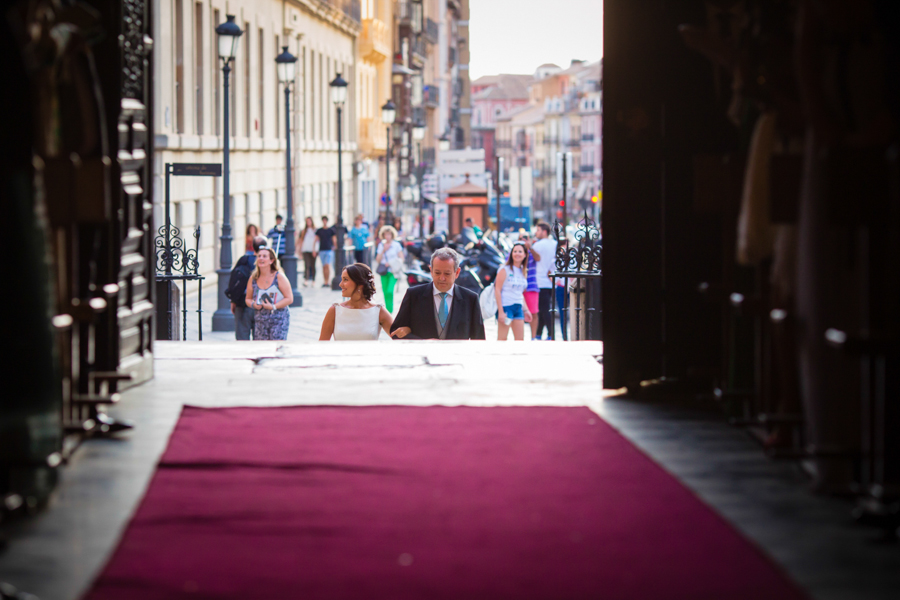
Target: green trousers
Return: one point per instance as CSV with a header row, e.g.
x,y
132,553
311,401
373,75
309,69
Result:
x,y
388,283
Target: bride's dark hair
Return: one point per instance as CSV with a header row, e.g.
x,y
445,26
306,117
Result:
x,y
361,275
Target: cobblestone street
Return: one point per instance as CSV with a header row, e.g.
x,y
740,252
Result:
x,y
306,321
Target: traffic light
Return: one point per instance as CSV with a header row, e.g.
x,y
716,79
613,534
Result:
x,y
595,198
562,203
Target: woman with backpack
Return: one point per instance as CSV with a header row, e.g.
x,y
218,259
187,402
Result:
x,y
509,289
269,294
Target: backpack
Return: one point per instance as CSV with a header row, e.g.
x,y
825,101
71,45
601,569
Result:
x,y
237,283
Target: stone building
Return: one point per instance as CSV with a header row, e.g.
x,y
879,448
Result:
x,y
189,112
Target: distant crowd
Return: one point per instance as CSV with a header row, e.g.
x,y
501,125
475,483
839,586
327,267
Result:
x,y
261,294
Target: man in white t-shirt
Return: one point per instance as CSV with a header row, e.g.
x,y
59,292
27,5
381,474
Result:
x,y
544,250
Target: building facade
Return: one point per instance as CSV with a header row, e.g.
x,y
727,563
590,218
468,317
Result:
x,y
189,90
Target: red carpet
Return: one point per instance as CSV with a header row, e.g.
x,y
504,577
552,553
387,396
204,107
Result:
x,y
426,503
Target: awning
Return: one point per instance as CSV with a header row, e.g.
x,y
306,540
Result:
x,y
582,192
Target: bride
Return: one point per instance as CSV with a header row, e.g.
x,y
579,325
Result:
x,y
356,318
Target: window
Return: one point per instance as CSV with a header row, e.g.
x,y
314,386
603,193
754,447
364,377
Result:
x,y
248,114
261,78
198,68
277,90
312,93
217,99
179,68
322,98
305,95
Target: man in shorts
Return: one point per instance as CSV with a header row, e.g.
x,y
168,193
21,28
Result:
x,y
327,241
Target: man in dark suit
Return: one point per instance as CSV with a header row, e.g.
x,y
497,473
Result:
x,y
441,310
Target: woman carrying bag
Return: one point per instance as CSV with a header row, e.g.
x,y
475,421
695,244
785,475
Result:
x,y
389,259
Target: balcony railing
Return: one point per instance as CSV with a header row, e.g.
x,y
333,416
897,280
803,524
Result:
x,y
351,8
418,49
431,31
586,169
587,137
432,96
551,140
573,143
374,44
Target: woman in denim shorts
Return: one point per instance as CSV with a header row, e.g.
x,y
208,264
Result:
x,y
509,288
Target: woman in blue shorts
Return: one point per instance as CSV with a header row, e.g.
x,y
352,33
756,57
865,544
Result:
x,y
509,288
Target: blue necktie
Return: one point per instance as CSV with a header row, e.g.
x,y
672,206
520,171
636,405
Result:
x,y
442,311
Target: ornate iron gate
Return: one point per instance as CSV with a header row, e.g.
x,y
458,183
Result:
x,y
579,268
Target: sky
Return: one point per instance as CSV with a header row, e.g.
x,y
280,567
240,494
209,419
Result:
x,y
517,36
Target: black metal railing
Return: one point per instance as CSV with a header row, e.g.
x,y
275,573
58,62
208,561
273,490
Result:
x,y
432,95
176,262
431,31
578,270
351,8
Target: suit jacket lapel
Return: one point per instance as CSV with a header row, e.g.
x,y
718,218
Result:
x,y
431,328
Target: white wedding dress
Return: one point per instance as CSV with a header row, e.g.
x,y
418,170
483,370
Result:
x,y
356,323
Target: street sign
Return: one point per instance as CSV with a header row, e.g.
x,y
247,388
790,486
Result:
x,y
514,183
197,169
521,186
441,217
430,184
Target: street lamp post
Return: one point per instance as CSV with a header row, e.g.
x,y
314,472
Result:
x,y
338,97
388,114
223,320
419,135
286,67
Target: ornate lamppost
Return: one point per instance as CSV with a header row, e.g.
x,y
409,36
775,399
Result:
x,y
286,65
338,97
388,114
418,134
223,320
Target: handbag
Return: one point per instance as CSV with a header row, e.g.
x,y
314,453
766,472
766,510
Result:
x,y
488,302
381,269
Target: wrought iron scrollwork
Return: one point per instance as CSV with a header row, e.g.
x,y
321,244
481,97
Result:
x,y
172,257
584,255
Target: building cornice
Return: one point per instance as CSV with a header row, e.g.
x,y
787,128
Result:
x,y
329,14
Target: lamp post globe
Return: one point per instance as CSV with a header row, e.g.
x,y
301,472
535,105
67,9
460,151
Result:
x,y
338,97
388,114
286,66
223,320
444,142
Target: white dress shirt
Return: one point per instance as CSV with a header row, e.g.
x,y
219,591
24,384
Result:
x,y
437,299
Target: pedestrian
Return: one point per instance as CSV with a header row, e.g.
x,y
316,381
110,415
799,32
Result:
x,y
269,294
309,247
276,237
561,306
531,291
509,288
360,235
398,228
356,318
252,233
475,228
545,255
236,291
440,310
389,259
327,241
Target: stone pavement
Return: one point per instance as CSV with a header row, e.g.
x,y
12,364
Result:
x,y
306,321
